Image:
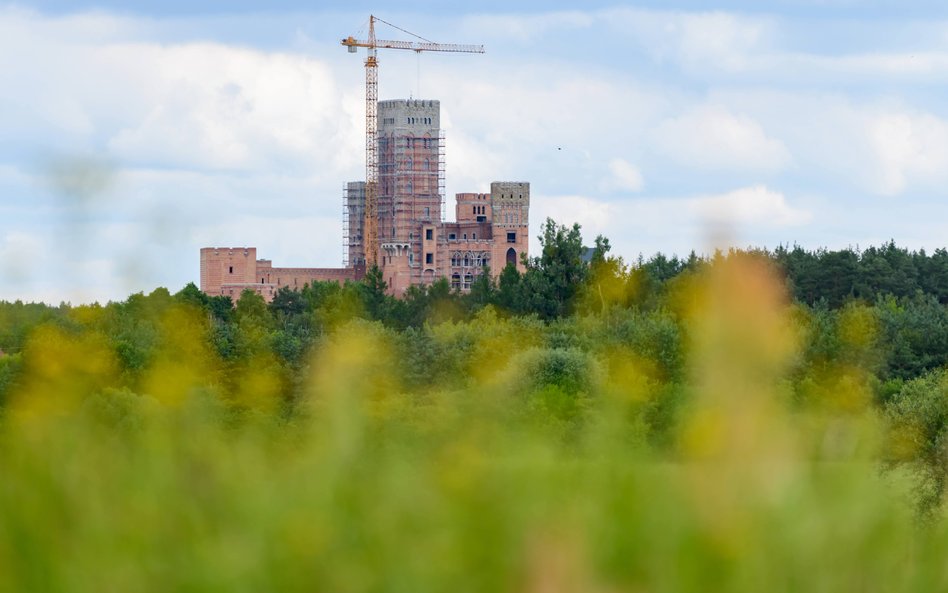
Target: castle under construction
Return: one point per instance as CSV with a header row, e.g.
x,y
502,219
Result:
x,y
416,246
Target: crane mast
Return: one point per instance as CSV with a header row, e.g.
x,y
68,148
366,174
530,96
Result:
x,y
370,222
370,226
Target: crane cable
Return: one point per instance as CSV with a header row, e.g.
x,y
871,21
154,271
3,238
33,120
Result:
x,y
403,30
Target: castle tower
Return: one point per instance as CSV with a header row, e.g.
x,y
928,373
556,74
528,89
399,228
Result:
x,y
510,210
410,194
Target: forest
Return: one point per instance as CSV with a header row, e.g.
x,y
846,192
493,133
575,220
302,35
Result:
x,y
754,418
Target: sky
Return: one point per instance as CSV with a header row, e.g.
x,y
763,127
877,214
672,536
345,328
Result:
x,y
134,133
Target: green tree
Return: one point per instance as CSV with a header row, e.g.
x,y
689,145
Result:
x,y
192,295
508,296
375,298
918,436
483,292
253,324
606,282
287,303
553,280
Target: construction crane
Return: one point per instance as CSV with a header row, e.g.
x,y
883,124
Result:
x,y
372,45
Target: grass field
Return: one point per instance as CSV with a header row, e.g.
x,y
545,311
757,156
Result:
x,y
488,483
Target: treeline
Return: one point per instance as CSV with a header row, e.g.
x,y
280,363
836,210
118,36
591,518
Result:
x,y
868,328
904,291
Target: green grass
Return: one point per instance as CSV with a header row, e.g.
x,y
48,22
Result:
x,y
538,471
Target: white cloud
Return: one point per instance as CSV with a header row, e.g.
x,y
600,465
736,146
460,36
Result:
x,y
190,105
755,205
733,44
18,252
524,28
711,137
756,214
910,148
698,40
625,176
222,107
588,212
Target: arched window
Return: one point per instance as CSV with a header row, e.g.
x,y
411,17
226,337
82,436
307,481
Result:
x,y
427,164
511,256
455,281
409,164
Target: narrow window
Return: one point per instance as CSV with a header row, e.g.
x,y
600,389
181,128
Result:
x,y
427,212
232,269
429,258
429,233
474,236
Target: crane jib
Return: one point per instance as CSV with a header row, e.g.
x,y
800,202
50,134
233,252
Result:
x,y
413,46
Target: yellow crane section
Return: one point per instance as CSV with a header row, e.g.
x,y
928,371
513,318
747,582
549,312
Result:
x,y
372,45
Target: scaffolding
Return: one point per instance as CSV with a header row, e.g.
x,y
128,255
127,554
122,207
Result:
x,y
441,172
353,217
345,226
411,189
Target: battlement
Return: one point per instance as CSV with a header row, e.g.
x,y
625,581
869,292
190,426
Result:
x,y
229,270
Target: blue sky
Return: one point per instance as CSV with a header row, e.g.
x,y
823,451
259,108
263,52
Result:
x,y
132,134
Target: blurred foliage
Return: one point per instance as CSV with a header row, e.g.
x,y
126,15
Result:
x,y
748,420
